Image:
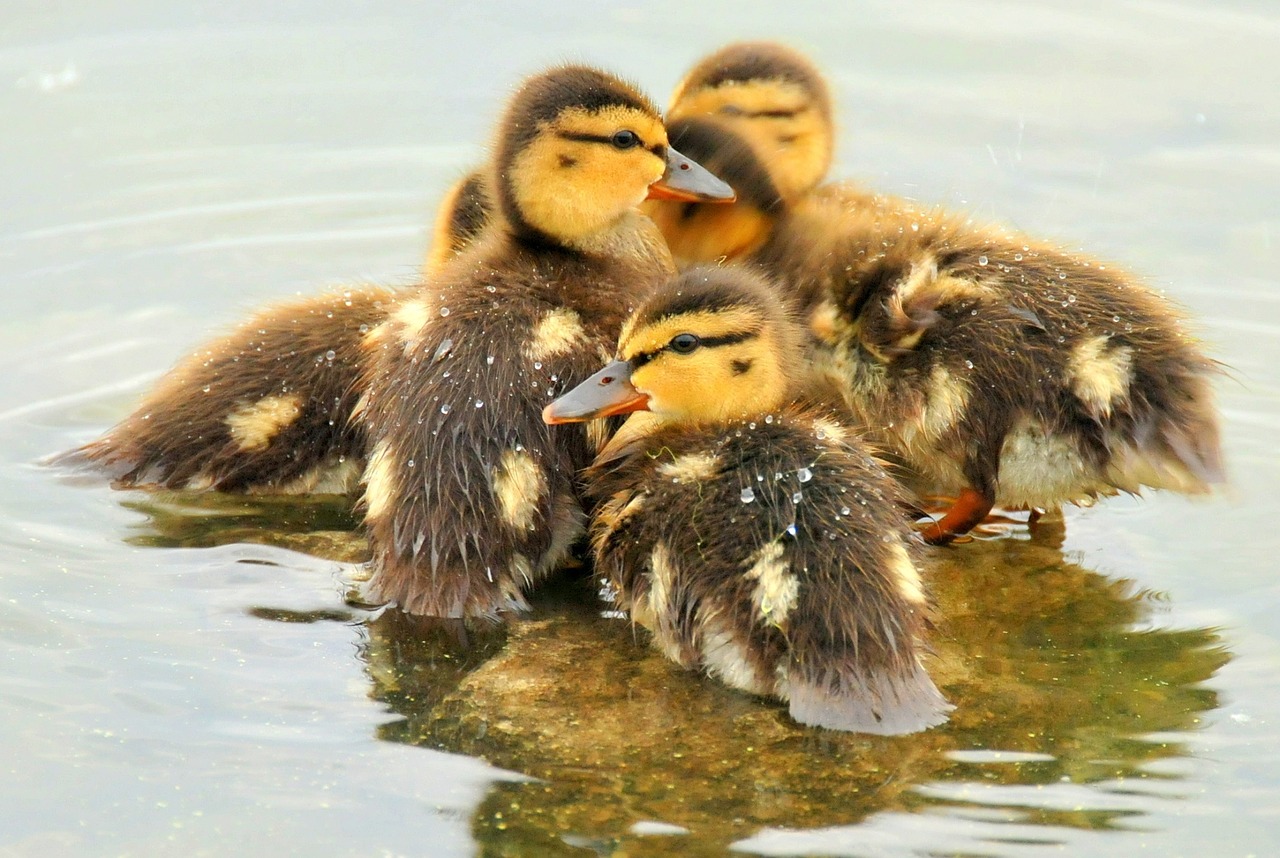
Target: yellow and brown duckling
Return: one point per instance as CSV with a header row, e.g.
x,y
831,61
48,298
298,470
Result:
x,y
742,523
998,369
470,499
265,408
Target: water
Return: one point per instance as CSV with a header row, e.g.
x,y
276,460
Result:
x,y
184,675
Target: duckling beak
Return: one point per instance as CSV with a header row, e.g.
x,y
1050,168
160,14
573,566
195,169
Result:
x,y
690,182
604,394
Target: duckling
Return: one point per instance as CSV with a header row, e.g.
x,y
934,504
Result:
x,y
997,368
469,498
742,522
262,409
776,99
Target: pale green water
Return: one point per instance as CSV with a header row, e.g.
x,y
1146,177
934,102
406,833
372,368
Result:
x,y
166,168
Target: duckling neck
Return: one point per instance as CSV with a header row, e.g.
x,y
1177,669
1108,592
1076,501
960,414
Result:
x,y
631,236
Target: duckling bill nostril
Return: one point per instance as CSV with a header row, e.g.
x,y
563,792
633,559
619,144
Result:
x,y
606,380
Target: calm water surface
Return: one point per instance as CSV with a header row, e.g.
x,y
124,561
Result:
x,y
183,674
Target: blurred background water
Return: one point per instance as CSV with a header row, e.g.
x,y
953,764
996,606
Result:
x,y
182,674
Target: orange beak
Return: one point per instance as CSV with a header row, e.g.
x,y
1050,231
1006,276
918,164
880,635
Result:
x,y
604,394
688,181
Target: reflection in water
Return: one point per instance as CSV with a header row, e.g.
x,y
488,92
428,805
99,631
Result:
x,y
1064,696
322,525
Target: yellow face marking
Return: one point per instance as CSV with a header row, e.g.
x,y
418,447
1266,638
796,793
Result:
x,y
556,333
572,188
714,382
380,480
691,467
905,575
518,485
255,424
1099,375
779,120
776,588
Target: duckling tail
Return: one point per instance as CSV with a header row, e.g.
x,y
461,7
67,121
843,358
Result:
x,y
886,703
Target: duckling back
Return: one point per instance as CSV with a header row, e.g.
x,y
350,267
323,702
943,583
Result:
x,y
772,555
265,408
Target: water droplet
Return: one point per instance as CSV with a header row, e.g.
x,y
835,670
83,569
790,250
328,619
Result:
x,y
491,288
479,403
330,354
446,408
409,463
759,478
1115,318
489,360
1071,299
797,497
804,475
768,418
364,329
915,227
537,364
206,390
1017,257
1062,275
748,495
982,260
444,311
844,510
968,364
443,349
791,529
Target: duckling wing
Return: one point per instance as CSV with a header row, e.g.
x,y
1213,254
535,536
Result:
x,y
266,408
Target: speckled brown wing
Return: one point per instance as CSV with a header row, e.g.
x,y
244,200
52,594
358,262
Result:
x,y
772,555
470,497
266,408
1030,375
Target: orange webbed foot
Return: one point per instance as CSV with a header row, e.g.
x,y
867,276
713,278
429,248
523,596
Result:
x,y
970,508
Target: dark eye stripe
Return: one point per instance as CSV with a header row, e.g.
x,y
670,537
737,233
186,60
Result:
x,y
595,138
759,114
643,358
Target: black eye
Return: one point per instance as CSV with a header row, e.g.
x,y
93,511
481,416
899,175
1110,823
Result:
x,y
625,139
682,344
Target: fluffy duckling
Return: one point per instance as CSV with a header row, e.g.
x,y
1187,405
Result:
x,y
997,368
745,526
265,408
470,499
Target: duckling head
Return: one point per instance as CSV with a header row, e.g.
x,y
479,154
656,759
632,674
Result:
x,y
698,233
710,346
776,99
577,149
